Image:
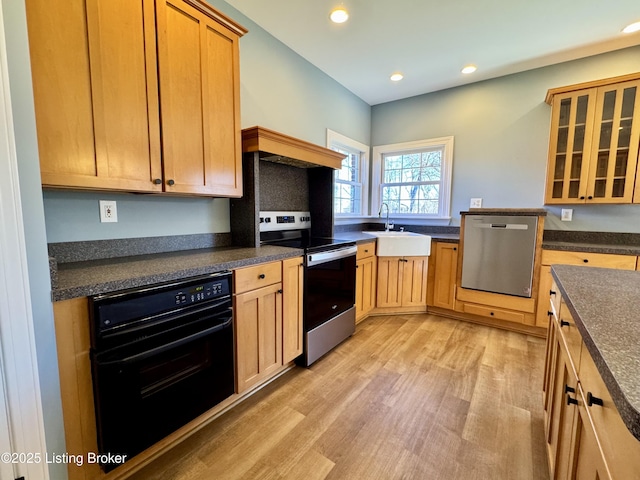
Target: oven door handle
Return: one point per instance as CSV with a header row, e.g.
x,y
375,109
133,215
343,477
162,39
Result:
x,y
324,257
168,346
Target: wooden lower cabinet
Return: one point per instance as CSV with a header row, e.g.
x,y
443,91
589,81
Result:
x,y
402,282
292,293
585,440
258,322
366,269
446,267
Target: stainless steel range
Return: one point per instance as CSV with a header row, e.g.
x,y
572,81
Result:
x,y
329,280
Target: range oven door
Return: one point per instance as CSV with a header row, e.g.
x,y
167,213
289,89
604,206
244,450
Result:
x,y
329,285
149,388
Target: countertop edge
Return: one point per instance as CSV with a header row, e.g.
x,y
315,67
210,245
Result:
x,y
95,288
630,414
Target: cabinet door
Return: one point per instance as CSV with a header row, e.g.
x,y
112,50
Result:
x,y
614,151
571,133
445,275
587,461
95,93
389,293
258,322
365,286
199,96
414,281
292,288
562,413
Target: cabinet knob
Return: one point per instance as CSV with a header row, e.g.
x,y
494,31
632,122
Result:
x,y
585,260
549,313
568,389
582,198
564,324
261,276
571,401
366,251
157,181
171,182
455,248
551,292
357,266
280,291
589,197
591,400
491,314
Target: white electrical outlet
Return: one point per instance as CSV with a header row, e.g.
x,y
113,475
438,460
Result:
x,y
566,214
475,203
108,211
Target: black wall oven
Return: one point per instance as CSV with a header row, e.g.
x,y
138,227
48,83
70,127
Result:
x,y
161,356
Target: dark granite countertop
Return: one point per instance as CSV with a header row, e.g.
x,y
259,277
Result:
x,y
81,279
591,247
605,305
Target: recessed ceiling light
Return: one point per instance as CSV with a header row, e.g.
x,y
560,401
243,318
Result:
x,y
339,15
634,27
396,77
469,69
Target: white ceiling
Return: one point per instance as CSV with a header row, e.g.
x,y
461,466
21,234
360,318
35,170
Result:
x,y
429,41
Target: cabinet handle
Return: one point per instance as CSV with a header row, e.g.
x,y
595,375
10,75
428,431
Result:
x,y
549,313
571,401
589,197
551,292
564,324
157,181
591,400
366,251
568,389
585,260
582,198
261,276
357,266
170,182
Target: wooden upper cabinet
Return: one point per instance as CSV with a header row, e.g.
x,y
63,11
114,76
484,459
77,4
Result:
x,y
200,99
593,147
97,126
96,67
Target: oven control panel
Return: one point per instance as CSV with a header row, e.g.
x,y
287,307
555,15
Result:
x,y
273,221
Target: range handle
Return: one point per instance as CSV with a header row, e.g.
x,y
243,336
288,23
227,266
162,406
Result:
x,y
324,257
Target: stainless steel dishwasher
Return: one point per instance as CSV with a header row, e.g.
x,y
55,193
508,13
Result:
x,y
498,254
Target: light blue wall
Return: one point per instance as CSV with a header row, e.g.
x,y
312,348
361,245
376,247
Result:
x,y
278,90
501,130
34,225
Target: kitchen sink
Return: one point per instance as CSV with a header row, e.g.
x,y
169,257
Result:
x,y
401,244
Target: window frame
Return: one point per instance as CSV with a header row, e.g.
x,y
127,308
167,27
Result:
x,y
337,140
444,200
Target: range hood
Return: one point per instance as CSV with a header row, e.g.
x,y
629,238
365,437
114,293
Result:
x,y
279,148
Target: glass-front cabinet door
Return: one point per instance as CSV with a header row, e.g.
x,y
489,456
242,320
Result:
x,y
570,142
614,153
593,148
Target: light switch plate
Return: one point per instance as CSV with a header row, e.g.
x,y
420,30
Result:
x,y
108,211
566,214
475,203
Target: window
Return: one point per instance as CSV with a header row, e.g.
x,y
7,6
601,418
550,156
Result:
x,y
414,178
351,181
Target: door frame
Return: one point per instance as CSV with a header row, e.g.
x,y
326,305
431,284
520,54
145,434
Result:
x,y
21,417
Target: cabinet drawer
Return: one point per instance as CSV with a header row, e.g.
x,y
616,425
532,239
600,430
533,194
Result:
x,y
491,312
366,250
257,276
606,260
554,295
621,449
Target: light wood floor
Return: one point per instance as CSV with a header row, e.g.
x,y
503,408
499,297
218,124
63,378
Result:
x,y
407,397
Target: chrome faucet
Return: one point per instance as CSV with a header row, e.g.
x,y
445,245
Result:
x,y
387,226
